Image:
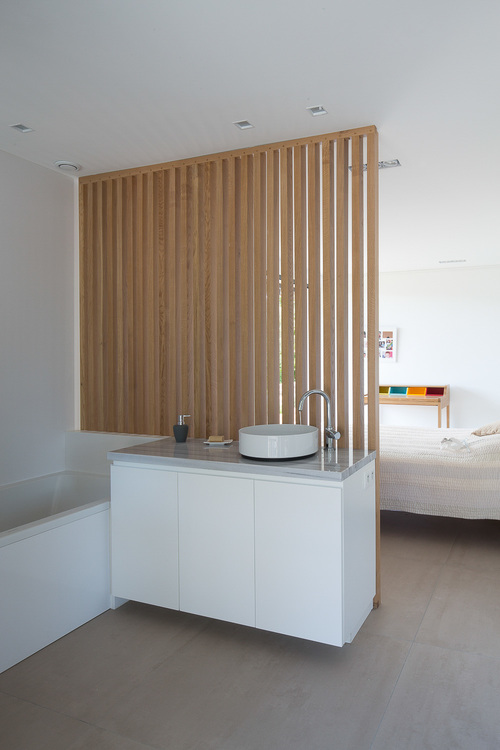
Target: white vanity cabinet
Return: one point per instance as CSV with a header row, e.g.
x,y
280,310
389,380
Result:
x,y
144,536
282,552
216,547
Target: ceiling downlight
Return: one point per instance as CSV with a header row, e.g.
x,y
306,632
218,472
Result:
x,y
22,128
67,166
243,124
317,110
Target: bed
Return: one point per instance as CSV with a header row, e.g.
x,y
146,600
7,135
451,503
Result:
x,y
418,474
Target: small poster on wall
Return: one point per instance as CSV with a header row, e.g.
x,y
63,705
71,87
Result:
x,y
387,344
387,337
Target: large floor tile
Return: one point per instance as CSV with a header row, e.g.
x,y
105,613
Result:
x,y
322,698
418,537
239,687
406,590
24,726
478,547
88,671
201,693
444,700
464,612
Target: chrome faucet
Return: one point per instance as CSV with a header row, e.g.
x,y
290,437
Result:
x,y
330,433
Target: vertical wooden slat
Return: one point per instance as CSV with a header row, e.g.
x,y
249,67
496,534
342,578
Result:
x,y
191,302
226,300
181,291
216,308
226,303
120,393
129,351
329,339
287,322
248,381
138,320
203,317
260,289
342,291
357,294
231,368
236,355
272,278
150,423
314,296
98,323
208,292
243,298
198,305
300,275
372,329
109,306
86,393
160,295
171,293
128,304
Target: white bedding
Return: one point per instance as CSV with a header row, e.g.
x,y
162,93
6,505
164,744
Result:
x,y
418,476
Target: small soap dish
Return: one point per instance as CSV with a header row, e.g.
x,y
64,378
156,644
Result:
x,y
217,443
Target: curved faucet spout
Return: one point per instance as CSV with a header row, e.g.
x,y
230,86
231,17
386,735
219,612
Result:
x,y
330,433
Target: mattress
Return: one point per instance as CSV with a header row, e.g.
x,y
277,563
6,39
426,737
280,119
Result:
x,y
420,475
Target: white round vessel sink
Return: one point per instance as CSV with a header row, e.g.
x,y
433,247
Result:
x,y
278,441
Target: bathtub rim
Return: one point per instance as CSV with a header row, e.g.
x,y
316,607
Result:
x,y
42,525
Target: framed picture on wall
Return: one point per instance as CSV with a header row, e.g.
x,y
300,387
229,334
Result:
x,y
387,340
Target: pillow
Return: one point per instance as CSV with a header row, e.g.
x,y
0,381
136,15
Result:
x,y
489,429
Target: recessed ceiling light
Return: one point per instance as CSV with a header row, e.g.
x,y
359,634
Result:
x,y
22,128
67,166
317,110
243,124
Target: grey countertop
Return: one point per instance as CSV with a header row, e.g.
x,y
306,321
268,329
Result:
x,y
335,465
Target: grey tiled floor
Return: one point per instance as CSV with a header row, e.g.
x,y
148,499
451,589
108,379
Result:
x,y
423,673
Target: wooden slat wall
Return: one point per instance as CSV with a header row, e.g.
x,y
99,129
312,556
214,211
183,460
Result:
x,y
204,280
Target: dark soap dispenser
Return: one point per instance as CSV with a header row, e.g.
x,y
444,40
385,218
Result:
x,y
181,429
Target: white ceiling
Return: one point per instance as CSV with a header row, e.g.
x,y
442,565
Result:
x,y
112,84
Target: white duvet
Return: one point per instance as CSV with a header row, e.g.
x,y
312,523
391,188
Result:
x,y
418,475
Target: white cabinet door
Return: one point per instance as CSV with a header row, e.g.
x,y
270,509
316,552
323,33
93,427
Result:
x,y
298,560
216,547
144,536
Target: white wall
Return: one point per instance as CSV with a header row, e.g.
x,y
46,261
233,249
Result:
x,y
87,451
36,318
447,321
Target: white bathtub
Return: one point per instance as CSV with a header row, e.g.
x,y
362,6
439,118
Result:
x,y
54,559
